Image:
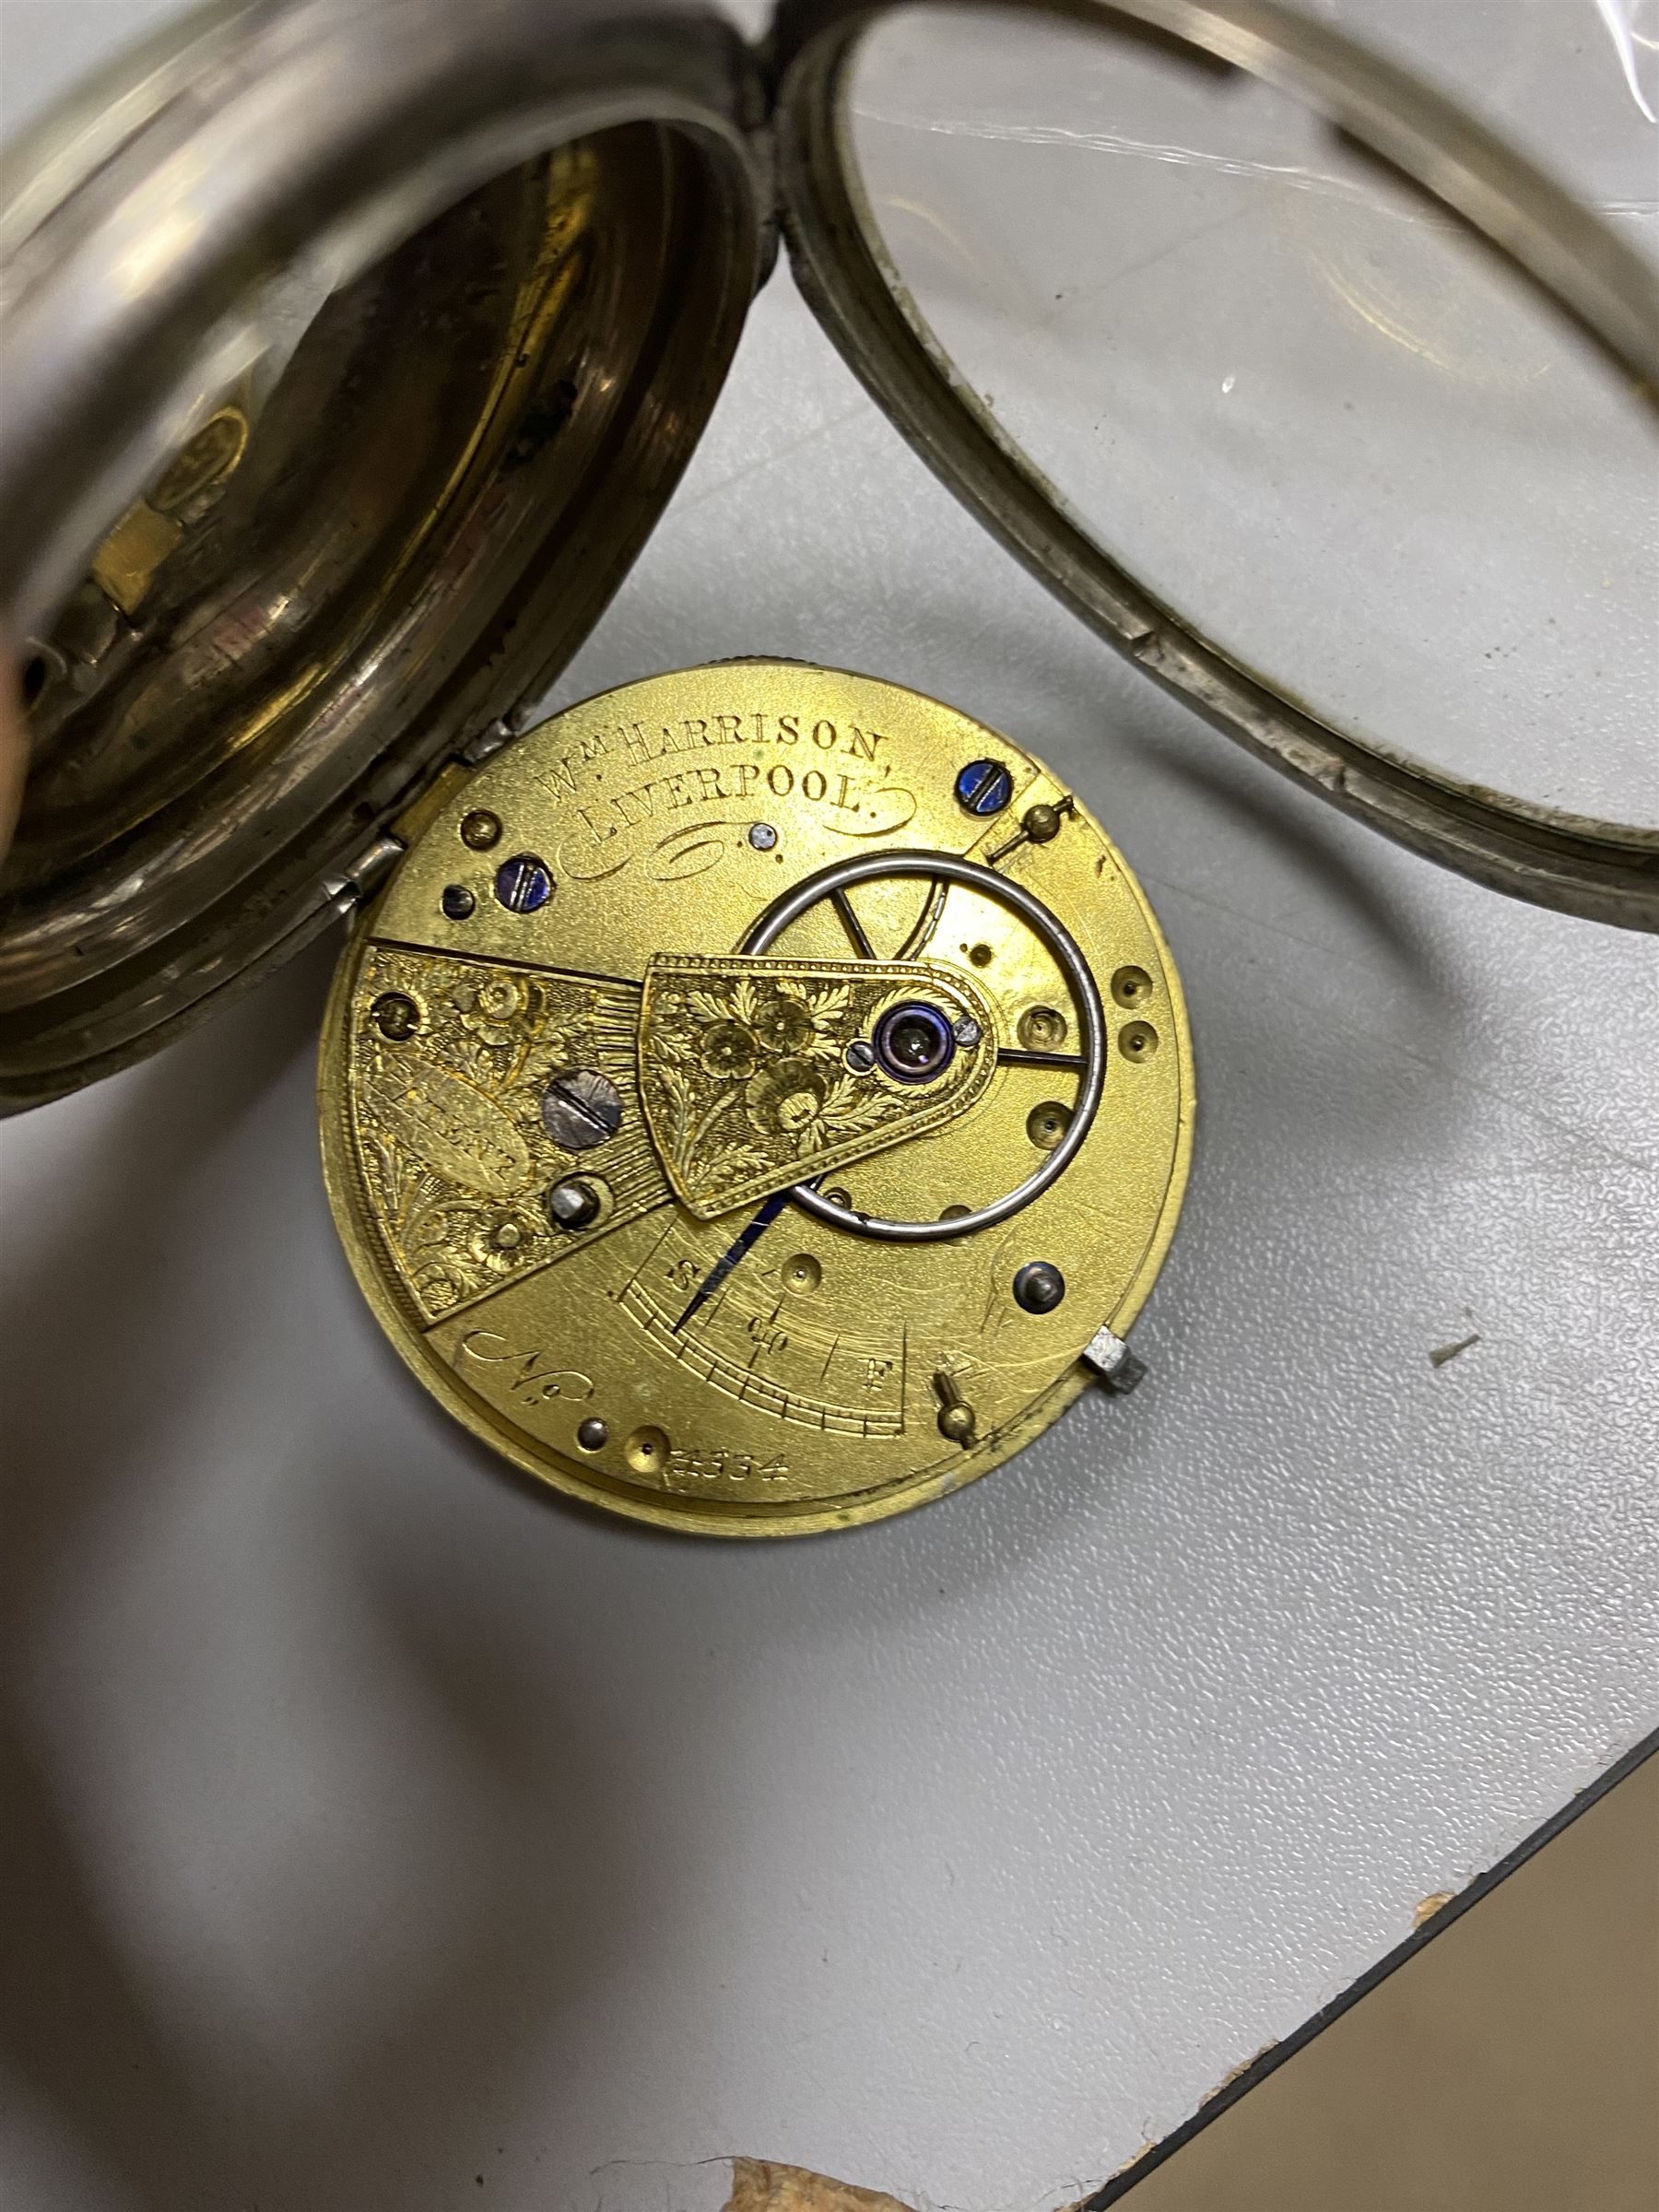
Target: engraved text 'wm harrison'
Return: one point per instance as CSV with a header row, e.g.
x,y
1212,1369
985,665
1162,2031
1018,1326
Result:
x,y
824,762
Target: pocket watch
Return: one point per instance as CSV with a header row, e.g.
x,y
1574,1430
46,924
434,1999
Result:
x,y
760,1099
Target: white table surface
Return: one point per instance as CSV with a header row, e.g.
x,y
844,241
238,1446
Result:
x,y
372,1825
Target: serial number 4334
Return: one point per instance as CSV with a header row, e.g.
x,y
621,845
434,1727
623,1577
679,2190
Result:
x,y
693,1467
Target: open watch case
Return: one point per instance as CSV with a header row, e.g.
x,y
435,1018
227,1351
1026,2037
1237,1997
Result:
x,y
760,1100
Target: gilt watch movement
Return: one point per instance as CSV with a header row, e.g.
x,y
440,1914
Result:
x,y
759,1101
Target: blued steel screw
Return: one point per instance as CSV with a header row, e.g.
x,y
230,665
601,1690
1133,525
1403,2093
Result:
x,y
983,787
524,884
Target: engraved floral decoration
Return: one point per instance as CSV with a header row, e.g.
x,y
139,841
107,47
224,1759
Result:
x,y
729,1050
448,1112
493,1011
791,1098
744,1079
787,1023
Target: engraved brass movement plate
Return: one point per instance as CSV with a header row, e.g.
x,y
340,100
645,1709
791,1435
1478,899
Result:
x,y
753,1095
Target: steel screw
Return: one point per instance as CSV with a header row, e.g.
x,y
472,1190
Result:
x,y
395,1015
572,1204
764,837
480,828
580,1107
859,1055
966,1030
457,902
1039,1286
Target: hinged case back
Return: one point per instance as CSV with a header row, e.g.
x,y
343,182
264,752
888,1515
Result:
x,y
352,348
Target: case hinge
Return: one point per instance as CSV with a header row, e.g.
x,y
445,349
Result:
x,y
352,886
